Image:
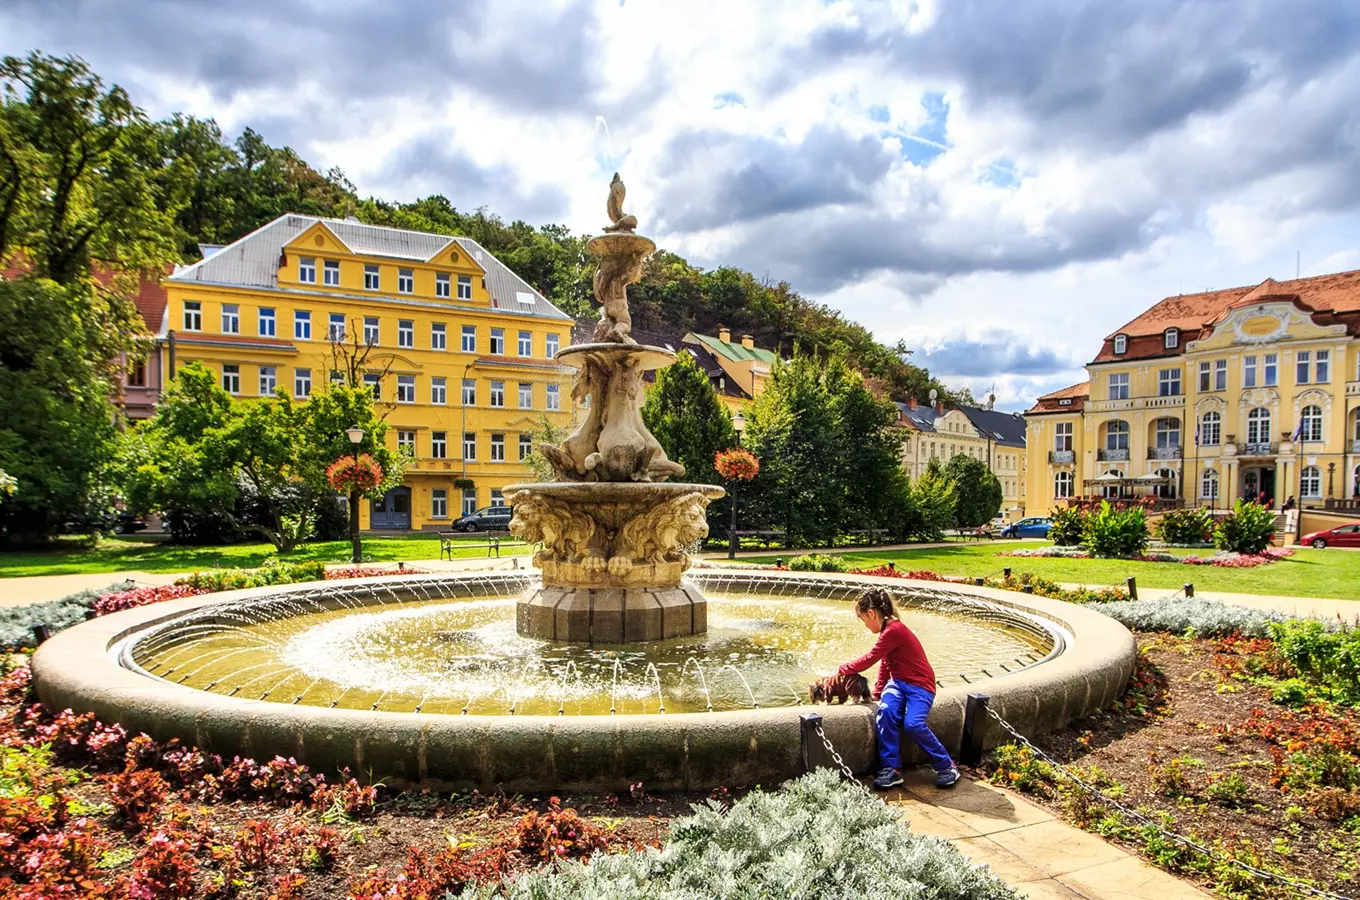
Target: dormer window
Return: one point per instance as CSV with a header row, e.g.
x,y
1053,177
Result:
x,y
1172,338
1121,343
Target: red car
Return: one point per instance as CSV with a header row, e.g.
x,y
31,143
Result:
x,y
1340,536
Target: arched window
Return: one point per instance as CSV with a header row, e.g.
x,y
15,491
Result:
x,y
1310,423
1121,343
1357,424
1168,433
1111,489
1208,485
1258,426
1167,489
1310,482
1210,428
1116,435
1062,485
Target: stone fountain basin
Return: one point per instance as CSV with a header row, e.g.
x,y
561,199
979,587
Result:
x,y
80,669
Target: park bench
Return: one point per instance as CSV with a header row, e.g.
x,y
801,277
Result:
x,y
766,537
976,534
446,541
867,535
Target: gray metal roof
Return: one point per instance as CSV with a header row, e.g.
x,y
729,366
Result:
x,y
991,425
253,261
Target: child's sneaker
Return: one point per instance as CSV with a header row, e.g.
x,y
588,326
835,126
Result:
x,y
887,778
946,778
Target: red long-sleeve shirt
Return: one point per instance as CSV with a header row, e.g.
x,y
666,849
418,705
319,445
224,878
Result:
x,y
901,656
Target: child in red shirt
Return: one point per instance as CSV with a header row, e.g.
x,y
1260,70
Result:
x,y
905,691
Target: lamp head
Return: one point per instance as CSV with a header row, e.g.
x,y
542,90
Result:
x,y
738,423
356,434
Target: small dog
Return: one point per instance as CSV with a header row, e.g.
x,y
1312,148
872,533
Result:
x,y
839,687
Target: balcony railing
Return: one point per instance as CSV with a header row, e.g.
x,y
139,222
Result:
x,y
1351,505
1165,402
1257,449
1061,457
1113,455
1164,453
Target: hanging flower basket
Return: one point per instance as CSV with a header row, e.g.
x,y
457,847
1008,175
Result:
x,y
736,464
347,474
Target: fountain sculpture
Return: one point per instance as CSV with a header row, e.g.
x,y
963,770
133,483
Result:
x,y
615,532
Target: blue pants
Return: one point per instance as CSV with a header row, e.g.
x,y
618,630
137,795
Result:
x,y
903,708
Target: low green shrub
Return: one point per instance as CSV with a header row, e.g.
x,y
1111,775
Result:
x,y
1186,526
1069,525
817,562
272,572
817,837
16,622
1205,618
1111,532
1247,529
1328,657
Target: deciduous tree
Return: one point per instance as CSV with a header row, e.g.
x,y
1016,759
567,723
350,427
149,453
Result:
x,y
977,490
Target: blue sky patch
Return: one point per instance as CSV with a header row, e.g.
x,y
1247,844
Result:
x,y
1002,173
728,98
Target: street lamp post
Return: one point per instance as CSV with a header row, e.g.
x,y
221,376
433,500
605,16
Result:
x,y
356,434
738,425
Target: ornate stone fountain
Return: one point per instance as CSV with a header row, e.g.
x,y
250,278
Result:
x,y
615,532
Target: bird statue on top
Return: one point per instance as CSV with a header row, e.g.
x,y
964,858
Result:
x,y
617,269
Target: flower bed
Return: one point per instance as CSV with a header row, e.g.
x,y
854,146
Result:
x,y
1223,559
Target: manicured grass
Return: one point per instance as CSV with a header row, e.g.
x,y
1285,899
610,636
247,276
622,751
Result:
x,y
1308,573
144,554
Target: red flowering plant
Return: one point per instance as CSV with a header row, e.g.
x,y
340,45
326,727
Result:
x,y
360,473
736,464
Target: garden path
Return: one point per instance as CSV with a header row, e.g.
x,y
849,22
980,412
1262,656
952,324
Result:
x,y
1041,857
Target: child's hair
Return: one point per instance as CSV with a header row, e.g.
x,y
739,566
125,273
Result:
x,y
878,600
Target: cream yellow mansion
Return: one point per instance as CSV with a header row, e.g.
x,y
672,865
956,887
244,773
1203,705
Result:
x,y
467,346
1251,391
996,438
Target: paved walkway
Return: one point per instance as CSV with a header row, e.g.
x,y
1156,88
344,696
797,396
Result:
x,y
1031,850
1308,607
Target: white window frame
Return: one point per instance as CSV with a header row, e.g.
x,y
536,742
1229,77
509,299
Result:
x,y
1121,344
231,318
552,344
1270,370
1310,423
1062,438
307,269
231,378
1206,376
497,497
441,285
1303,363
406,333
336,327
526,395
526,446
497,342
372,331
554,395
406,281
439,445
406,389
1208,485
1310,483
406,440
498,448
372,277
330,272
1168,382
1063,484
469,501
193,315
1117,438
470,446
1220,374
1258,426
302,383
1171,339
469,392
1167,433
269,380
1118,385
1322,367
498,393
267,323
439,336
302,325
439,390
464,287
469,343
526,343
374,384
439,503
1210,429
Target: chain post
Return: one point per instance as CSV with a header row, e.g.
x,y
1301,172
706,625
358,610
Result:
x,y
813,757
1133,588
974,729
1189,590
41,633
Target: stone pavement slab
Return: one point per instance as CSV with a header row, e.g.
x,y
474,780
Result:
x,y
1040,856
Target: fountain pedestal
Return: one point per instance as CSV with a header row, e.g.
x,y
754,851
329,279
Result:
x,y
615,534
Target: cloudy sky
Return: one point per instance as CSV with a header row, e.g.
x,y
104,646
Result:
x,y
999,184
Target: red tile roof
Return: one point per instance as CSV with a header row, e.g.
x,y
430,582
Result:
x,y
150,297
1337,294
1050,403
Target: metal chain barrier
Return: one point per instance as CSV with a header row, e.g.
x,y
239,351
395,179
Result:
x,y
1144,820
840,763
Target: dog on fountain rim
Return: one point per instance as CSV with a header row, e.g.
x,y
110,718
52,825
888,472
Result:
x,y
839,687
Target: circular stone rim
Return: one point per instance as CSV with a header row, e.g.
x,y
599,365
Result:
x,y
649,357
615,490
78,669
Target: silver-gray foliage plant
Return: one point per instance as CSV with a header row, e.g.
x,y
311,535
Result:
x,y
16,622
818,838
1207,618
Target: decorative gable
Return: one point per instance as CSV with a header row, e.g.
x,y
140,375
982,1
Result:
x,y
1267,322
317,239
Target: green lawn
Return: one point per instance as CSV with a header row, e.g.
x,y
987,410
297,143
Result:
x,y
1308,573
145,554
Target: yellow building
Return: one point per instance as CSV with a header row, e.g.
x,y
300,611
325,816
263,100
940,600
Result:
x,y
996,438
467,346
1204,398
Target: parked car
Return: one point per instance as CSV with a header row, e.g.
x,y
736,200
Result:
x,y
488,518
127,523
1028,527
1340,536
